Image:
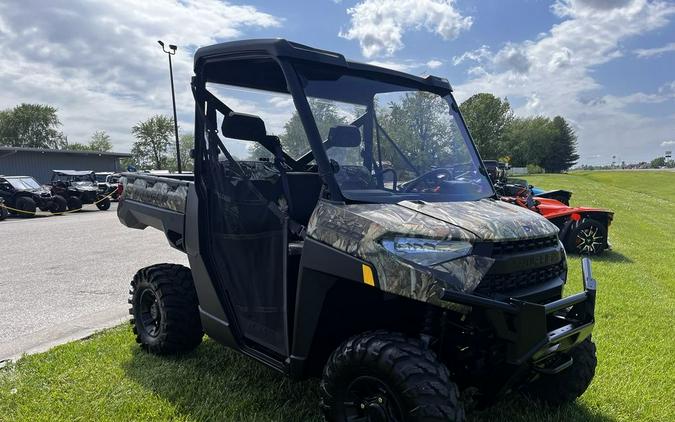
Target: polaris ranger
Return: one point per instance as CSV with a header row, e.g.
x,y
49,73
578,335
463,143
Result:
x,y
79,187
364,245
23,195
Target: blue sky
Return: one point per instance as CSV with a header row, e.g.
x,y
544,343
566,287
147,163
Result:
x,y
608,66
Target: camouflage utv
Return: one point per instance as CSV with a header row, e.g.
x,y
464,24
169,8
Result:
x,y
350,232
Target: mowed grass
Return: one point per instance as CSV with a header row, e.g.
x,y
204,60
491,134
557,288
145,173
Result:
x,y
107,377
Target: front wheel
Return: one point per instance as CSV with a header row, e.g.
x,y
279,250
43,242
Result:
x,y
26,207
589,237
566,386
103,204
165,309
384,376
59,205
74,203
3,212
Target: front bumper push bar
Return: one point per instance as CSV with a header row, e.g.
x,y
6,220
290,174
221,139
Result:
x,y
534,331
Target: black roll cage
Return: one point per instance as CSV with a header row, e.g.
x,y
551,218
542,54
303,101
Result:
x,y
287,55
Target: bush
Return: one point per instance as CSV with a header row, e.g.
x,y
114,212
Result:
x,y
534,169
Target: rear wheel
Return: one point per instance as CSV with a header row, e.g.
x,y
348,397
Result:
x,y
571,383
103,204
74,203
26,206
59,205
165,309
589,237
384,376
3,212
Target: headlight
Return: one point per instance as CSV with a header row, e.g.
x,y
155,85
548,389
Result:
x,y
426,251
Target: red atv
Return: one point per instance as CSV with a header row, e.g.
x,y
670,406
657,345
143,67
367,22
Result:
x,y
582,230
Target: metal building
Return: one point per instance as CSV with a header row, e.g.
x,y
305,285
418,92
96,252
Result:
x,y
39,163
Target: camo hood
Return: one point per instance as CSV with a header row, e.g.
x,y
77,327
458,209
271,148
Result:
x,y
487,219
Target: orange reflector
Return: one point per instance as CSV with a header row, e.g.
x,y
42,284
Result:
x,y
368,275
575,217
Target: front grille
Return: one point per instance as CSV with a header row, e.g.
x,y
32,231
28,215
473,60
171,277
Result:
x,y
525,245
519,255
504,282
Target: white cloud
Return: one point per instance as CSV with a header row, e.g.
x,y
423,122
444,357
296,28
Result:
x,y
379,25
478,55
434,64
98,62
553,74
667,143
651,52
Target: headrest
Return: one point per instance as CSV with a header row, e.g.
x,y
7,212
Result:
x,y
243,126
344,136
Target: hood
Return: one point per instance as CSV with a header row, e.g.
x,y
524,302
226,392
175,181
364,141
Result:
x,y
38,191
84,186
487,219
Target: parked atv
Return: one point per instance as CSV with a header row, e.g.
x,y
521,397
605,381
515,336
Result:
x,y
3,211
508,186
79,188
108,184
23,196
583,230
381,260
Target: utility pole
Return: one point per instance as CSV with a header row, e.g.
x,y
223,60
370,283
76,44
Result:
x,y
171,52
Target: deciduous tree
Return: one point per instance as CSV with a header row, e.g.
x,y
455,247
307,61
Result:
x,y
31,126
153,139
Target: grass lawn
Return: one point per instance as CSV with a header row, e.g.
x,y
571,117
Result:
x,y
107,377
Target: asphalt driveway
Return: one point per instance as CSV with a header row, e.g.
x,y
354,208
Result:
x,y
64,277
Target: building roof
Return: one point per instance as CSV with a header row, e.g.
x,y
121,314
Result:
x,y
65,151
73,172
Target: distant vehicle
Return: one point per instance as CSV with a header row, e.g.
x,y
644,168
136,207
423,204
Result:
x,y
78,187
108,184
507,186
23,195
3,211
583,230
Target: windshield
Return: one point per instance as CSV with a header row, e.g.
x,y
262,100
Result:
x,y
411,144
22,183
80,179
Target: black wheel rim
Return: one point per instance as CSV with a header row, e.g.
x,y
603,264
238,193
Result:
x,y
589,240
150,317
368,399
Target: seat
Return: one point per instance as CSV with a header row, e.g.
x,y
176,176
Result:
x,y
304,189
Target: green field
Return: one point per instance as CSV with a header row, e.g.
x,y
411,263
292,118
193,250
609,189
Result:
x,y
107,377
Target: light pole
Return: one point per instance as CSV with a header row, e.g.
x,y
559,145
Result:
x,y
171,52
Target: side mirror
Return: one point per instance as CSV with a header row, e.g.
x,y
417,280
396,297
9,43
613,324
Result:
x,y
345,136
246,127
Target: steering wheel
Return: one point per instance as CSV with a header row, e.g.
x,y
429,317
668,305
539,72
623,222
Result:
x,y
394,176
430,181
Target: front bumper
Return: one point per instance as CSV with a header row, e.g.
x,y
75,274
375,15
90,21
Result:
x,y
536,331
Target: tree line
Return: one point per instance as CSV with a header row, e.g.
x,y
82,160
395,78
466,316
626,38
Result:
x,y
548,143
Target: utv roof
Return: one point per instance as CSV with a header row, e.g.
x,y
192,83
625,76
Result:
x,y
277,47
73,172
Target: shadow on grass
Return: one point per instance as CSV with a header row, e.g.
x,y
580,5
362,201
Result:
x,y
607,256
516,408
214,383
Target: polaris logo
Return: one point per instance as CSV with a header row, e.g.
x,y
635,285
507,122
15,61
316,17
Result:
x,y
535,261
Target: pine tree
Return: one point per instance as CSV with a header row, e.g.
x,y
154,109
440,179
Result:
x,y
563,150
